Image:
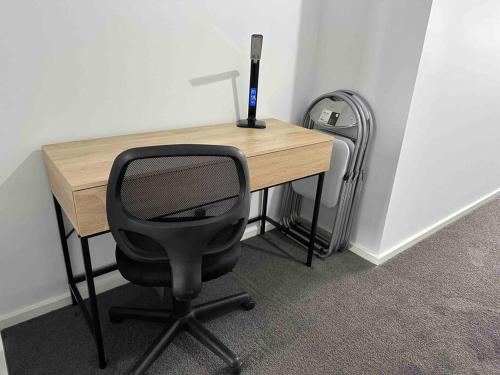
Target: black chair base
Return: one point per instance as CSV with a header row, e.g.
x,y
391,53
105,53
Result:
x,y
182,318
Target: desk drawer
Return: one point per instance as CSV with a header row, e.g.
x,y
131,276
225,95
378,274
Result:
x,y
265,170
288,165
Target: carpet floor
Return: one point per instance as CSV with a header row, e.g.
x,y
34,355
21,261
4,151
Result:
x,y
434,309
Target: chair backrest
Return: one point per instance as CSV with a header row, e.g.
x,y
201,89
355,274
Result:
x,y
183,201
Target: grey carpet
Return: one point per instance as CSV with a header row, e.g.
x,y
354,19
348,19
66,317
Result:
x,y
434,309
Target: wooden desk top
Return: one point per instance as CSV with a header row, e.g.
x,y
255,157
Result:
x,y
78,171
85,164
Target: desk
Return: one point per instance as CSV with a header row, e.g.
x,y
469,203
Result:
x,y
78,174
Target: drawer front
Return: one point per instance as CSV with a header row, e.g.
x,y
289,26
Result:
x,y
265,170
283,166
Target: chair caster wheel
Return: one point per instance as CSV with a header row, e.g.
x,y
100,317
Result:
x,y
249,304
235,368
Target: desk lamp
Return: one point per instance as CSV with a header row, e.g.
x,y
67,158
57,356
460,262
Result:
x,y
251,121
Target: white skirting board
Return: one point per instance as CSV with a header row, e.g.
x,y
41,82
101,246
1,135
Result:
x,y
378,259
102,284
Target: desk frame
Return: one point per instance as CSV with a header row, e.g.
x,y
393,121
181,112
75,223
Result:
x,y
92,317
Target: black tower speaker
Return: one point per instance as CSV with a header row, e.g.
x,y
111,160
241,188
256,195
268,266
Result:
x,y
251,121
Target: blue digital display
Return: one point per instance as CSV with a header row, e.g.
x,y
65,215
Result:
x,y
253,97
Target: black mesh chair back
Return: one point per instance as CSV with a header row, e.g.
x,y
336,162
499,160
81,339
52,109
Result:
x,y
184,200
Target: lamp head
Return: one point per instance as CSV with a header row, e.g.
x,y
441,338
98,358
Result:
x,y
256,47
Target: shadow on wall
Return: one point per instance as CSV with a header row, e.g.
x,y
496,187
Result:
x,y
30,242
27,229
305,59
230,75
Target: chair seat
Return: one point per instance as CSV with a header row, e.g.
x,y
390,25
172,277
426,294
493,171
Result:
x,y
159,273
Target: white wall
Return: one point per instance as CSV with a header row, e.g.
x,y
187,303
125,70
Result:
x,y
451,151
373,47
74,70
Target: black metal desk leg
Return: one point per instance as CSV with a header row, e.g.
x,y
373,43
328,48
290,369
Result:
x,y
263,214
64,245
96,321
314,223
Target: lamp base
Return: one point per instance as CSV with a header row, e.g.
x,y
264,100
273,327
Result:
x,y
251,124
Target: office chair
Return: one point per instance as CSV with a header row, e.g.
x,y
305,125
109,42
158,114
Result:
x,y
177,213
